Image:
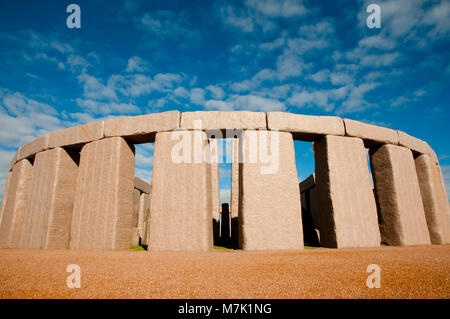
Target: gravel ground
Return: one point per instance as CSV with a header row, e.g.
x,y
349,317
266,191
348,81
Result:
x,y
406,272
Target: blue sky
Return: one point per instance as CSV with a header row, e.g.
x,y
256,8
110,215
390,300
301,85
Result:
x,y
309,57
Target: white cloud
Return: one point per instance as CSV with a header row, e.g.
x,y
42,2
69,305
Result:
x,y
104,108
197,96
216,91
379,60
94,89
355,101
136,64
289,65
168,26
277,8
377,41
320,76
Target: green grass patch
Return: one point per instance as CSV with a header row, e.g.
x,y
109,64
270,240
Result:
x,y
310,247
221,248
137,248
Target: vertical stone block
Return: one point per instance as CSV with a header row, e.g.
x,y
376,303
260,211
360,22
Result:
x,y
5,195
180,208
48,217
103,208
346,204
401,211
270,211
15,202
213,145
144,210
136,205
234,178
134,236
434,198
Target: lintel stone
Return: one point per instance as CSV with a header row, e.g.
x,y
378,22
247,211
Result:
x,y
305,127
221,120
370,134
37,145
142,128
77,136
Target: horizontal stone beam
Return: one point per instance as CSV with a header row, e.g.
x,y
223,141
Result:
x,y
370,134
305,127
30,149
142,128
142,185
77,136
414,144
220,120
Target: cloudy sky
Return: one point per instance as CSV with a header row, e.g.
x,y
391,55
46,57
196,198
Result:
x,y
310,57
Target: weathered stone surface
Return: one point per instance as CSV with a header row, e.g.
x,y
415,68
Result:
x,y
213,144
48,218
143,186
103,208
416,145
222,120
136,204
134,236
270,211
371,134
15,202
30,149
434,198
144,210
180,208
76,136
142,128
306,127
234,178
346,204
5,195
401,211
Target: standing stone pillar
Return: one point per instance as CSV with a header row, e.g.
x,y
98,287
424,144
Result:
x,y
48,218
135,218
103,209
234,194
269,212
180,207
434,198
144,210
5,195
234,178
215,187
345,201
213,145
15,201
402,217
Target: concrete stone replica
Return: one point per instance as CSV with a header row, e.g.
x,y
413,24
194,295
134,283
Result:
x,y
15,203
434,199
180,209
75,188
48,217
103,205
402,216
347,213
270,211
310,218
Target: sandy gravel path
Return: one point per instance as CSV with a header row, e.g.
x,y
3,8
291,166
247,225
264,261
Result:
x,y
406,272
